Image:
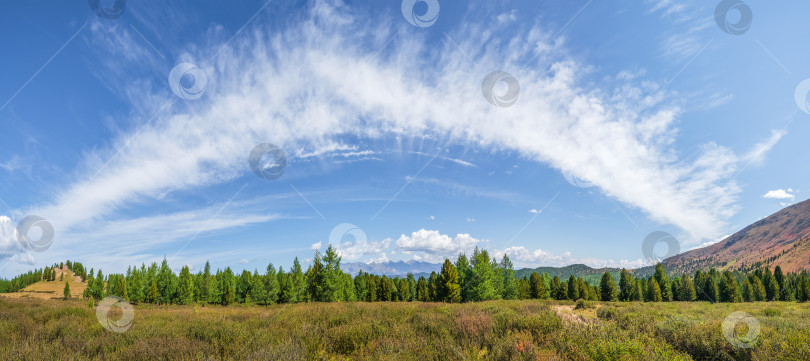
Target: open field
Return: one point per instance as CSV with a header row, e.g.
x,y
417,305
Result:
x,y
36,329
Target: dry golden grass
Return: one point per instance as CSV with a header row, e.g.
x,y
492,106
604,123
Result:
x,y
37,329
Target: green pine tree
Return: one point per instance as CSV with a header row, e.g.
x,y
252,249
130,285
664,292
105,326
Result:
x,y
449,287
185,287
607,288
573,289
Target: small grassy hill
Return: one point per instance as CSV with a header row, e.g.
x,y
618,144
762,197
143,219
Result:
x,y
52,289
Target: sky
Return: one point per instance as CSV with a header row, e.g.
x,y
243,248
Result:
x,y
556,132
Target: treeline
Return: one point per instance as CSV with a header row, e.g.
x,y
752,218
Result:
x,y
43,274
468,279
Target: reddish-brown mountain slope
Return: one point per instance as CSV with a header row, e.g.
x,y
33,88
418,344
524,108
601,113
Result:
x,y
782,238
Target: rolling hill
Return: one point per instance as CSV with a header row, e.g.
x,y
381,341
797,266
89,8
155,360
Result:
x,y
782,238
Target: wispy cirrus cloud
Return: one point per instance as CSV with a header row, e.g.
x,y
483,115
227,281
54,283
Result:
x,y
325,77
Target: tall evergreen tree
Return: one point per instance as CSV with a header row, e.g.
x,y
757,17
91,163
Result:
x,y
165,283
449,288
483,280
625,285
258,291
298,282
66,292
573,288
537,287
511,289
422,293
687,290
663,282
153,296
270,284
185,287
607,288
434,293
653,291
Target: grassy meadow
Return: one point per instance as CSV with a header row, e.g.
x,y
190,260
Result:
x,y
50,329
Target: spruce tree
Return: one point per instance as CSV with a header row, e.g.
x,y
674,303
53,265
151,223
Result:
x,y
625,285
607,287
153,292
166,283
663,282
654,291
483,283
510,288
258,293
687,291
185,287
422,293
537,288
449,288
66,292
298,282
433,287
271,283
573,288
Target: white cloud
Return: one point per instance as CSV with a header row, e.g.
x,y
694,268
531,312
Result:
x,y
434,246
523,257
507,17
316,246
432,218
757,154
320,79
470,220
709,243
355,250
535,211
779,194
10,248
243,261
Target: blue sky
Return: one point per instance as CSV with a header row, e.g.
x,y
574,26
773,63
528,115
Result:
x,y
660,118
